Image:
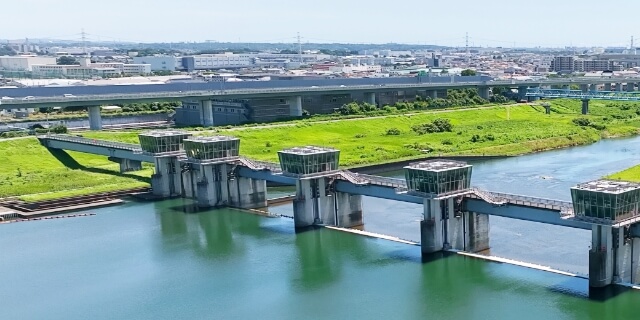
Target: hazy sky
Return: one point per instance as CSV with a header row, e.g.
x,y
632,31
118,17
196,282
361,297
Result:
x,y
492,22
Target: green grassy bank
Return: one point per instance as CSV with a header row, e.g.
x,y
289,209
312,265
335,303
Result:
x,y
631,174
32,172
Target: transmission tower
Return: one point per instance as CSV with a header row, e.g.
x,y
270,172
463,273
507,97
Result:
x,y
84,42
299,49
466,45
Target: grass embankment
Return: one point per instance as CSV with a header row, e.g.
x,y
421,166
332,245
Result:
x,y
497,131
30,171
631,174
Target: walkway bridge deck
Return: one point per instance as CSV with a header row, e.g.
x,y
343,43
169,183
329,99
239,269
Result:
x,y
508,205
584,95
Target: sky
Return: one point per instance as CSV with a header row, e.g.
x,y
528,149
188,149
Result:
x,y
506,23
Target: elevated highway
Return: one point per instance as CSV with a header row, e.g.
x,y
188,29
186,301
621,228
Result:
x,y
89,96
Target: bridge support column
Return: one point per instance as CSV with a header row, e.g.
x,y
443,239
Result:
x,y
432,228
469,231
206,113
95,119
370,98
618,86
348,210
601,260
631,87
607,87
593,87
211,185
585,106
127,165
247,193
584,87
166,181
484,92
295,106
522,93
433,94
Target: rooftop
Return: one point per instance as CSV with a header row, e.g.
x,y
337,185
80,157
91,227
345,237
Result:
x,y
211,139
164,133
437,165
308,150
608,186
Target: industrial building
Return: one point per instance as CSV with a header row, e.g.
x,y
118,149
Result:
x,y
23,63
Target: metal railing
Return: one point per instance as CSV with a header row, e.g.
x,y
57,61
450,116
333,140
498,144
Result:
x,y
584,95
556,205
101,143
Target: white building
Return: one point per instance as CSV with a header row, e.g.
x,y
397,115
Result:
x,y
160,63
23,63
105,70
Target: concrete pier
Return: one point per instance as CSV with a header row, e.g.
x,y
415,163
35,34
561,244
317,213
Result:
x,y
484,92
348,210
210,184
631,87
469,231
522,93
370,98
295,106
432,238
127,165
206,113
166,181
247,193
95,119
317,204
619,86
607,87
584,87
593,87
601,262
585,106
433,94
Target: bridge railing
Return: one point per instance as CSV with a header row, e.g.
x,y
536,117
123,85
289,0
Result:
x,y
556,205
95,142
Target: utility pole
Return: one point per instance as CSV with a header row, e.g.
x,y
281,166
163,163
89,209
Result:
x,y
299,49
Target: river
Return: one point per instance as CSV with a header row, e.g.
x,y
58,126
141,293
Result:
x,y
156,261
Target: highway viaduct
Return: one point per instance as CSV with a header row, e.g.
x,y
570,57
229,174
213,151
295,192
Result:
x,y
93,97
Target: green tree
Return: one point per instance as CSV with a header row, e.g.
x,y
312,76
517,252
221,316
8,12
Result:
x,y
66,61
468,72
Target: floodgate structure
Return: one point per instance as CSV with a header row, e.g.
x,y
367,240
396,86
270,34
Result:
x,y
456,215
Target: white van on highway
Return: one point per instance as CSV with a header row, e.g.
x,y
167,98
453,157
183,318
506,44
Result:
x,y
29,98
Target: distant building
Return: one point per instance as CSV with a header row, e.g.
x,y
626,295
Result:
x,y
23,63
160,63
216,61
104,70
572,64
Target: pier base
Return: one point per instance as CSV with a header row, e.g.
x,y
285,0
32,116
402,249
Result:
x,y
601,263
166,181
585,106
432,227
247,193
211,185
348,210
95,119
316,203
469,232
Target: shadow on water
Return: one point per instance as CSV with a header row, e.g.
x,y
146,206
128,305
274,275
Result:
x,y
68,161
579,288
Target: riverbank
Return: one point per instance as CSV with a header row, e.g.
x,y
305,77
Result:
x,y
630,174
496,131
